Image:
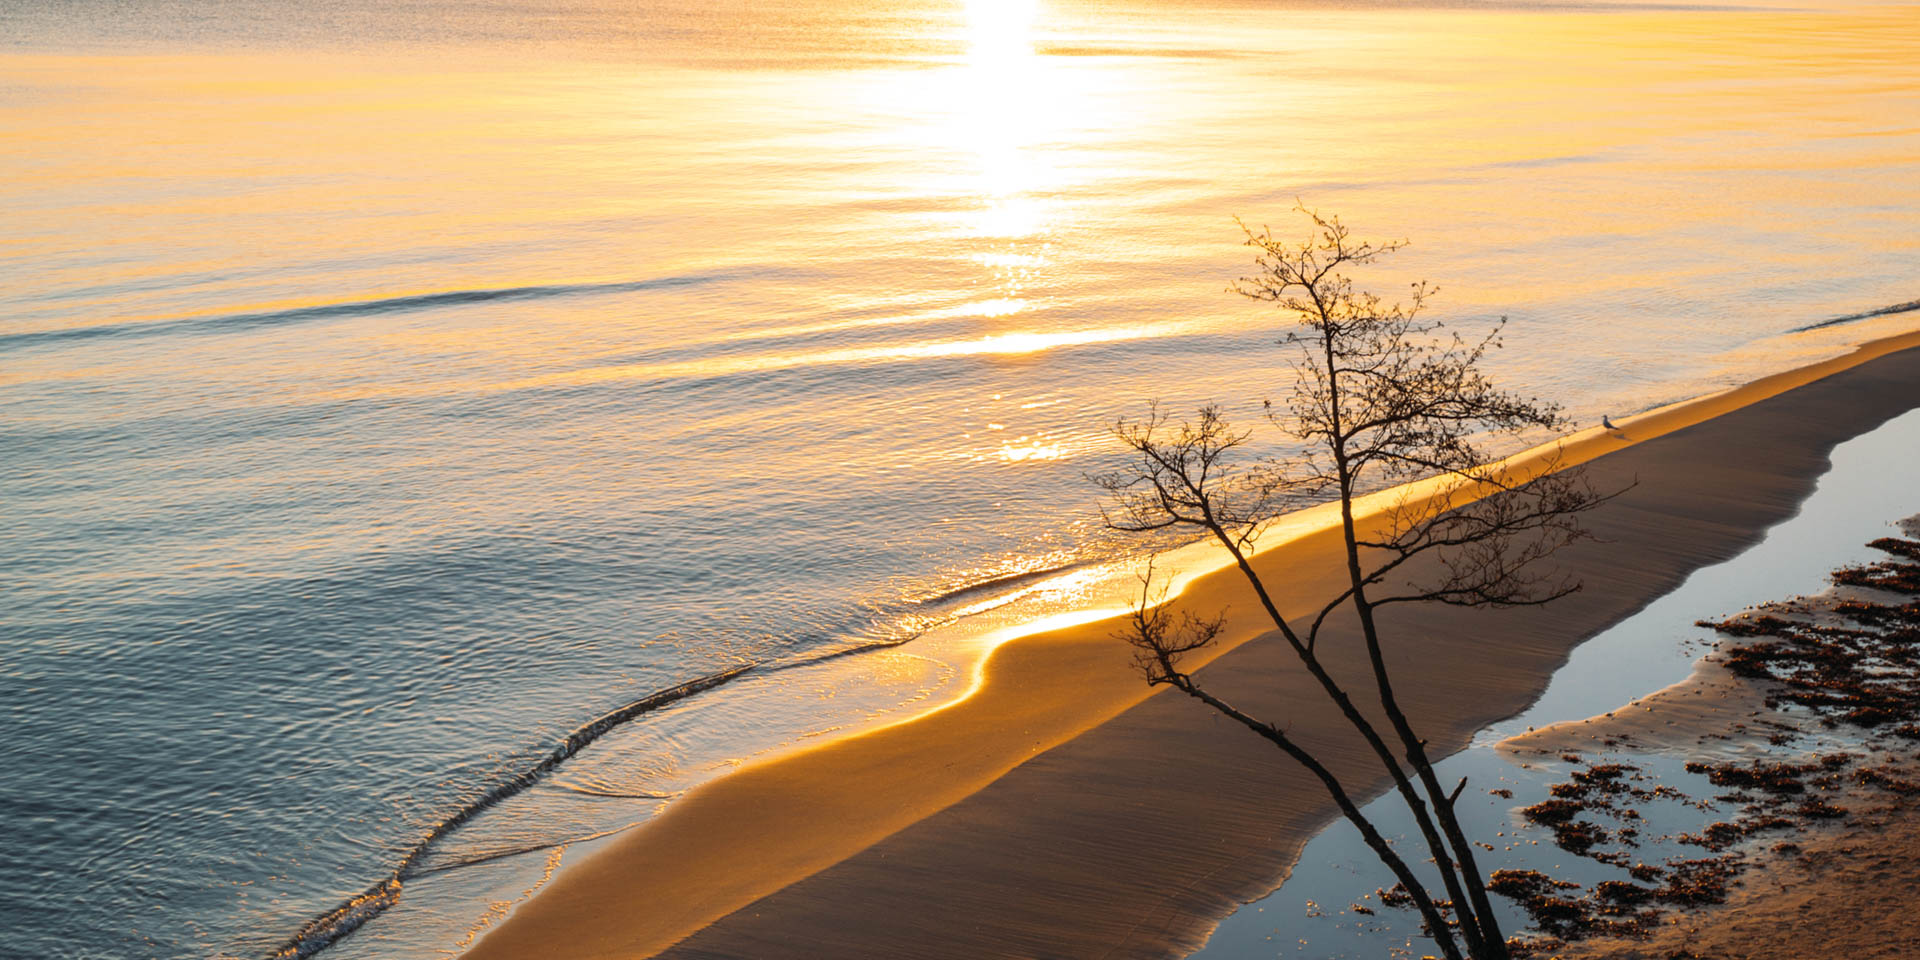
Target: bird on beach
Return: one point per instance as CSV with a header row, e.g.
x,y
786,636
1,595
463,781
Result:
x,y
1607,423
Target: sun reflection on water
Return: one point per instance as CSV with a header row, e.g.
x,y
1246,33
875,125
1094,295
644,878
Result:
x,y
1000,30
1027,448
1001,112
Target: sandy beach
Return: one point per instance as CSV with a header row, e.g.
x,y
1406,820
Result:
x,y
1842,888
1831,884
1061,811
1844,892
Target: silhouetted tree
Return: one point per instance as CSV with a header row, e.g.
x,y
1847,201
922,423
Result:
x,y
1379,397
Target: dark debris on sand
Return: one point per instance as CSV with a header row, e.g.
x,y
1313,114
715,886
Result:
x,y
1853,662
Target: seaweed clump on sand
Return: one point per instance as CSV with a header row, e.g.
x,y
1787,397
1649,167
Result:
x,y
1782,800
1893,575
1612,790
1560,912
1850,661
1773,796
1859,666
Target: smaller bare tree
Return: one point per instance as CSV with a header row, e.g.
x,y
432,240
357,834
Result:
x,y
1379,397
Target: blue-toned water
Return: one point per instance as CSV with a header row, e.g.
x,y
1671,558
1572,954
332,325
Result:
x,y
387,391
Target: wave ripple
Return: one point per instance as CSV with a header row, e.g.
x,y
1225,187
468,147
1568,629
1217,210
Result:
x,y
224,323
325,930
1907,307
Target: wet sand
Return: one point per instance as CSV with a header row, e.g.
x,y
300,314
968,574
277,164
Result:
x,y
1059,811
1711,700
1843,887
1847,891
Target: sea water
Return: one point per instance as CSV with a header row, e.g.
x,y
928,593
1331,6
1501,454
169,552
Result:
x,y
390,391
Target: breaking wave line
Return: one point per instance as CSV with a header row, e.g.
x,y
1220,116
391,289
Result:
x,y
331,927
420,301
1908,307
325,930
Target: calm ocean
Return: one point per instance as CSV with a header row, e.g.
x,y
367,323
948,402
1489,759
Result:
x,y
390,390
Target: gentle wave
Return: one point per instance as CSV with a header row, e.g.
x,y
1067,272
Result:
x,y
824,656
422,301
978,587
334,925
522,850
1908,307
325,930
714,367
615,794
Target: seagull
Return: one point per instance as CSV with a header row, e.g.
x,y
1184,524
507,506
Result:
x,y
1607,423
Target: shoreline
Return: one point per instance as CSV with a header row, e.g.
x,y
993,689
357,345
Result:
x,y
1837,873
1652,818
1058,746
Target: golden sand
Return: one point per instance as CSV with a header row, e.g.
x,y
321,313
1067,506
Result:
x,y
756,832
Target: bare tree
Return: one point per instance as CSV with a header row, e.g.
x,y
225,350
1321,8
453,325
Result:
x,y
1380,396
